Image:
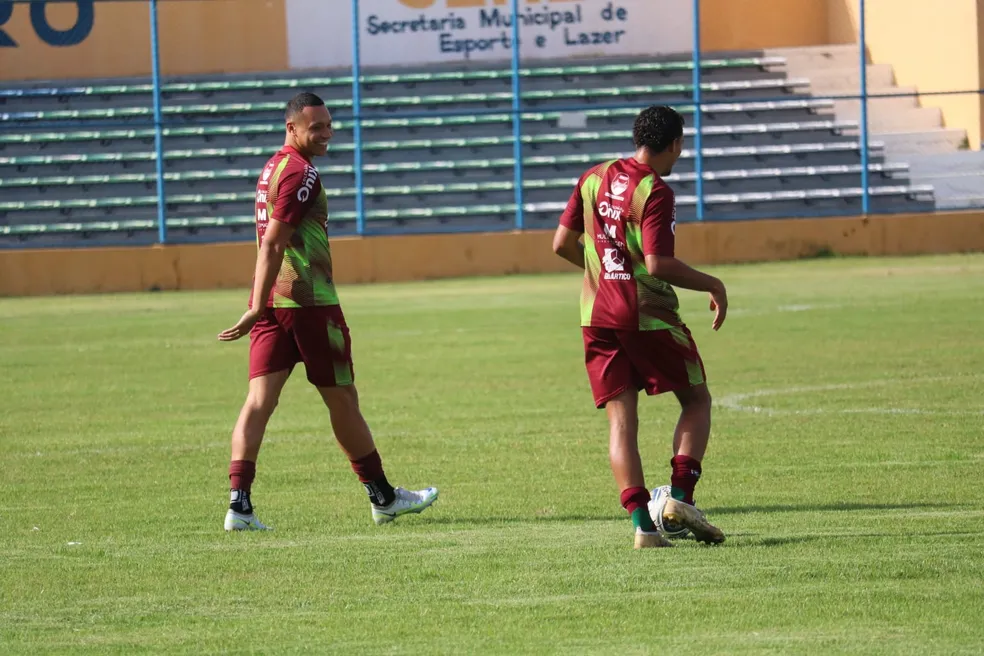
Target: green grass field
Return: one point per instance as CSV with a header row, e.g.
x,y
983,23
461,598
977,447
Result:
x,y
845,467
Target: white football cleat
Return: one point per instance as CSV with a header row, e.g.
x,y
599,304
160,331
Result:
x,y
644,540
239,522
657,503
406,501
678,512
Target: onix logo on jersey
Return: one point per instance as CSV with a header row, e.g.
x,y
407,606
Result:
x,y
310,176
610,211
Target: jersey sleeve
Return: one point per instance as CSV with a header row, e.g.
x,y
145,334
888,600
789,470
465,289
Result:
x,y
297,191
573,216
659,223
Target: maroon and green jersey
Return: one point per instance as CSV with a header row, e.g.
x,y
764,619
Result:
x,y
289,190
626,212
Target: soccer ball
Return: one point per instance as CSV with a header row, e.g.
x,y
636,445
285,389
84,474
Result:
x,y
657,501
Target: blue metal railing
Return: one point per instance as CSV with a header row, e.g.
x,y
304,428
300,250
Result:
x,y
360,197
517,118
698,123
862,42
155,56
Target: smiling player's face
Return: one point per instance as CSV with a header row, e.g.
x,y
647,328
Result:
x,y
311,130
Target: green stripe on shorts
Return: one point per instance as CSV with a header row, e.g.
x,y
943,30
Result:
x,y
343,369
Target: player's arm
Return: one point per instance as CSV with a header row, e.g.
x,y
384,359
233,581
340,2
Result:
x,y
567,239
659,244
269,259
567,244
293,202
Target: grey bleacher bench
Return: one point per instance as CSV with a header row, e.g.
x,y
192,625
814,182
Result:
x,y
206,131
391,103
308,82
413,214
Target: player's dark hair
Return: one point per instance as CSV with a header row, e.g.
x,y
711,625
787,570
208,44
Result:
x,y
656,128
297,104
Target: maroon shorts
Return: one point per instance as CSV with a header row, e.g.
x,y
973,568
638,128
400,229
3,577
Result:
x,y
653,360
316,336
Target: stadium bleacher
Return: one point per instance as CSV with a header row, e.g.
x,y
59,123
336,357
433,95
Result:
x,y
77,162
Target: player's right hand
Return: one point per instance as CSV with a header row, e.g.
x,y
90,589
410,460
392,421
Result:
x,y
719,306
242,327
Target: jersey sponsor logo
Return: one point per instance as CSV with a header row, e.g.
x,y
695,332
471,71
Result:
x,y
673,221
611,232
619,185
610,211
307,186
267,173
615,265
261,206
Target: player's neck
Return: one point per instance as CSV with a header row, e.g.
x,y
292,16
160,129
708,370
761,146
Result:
x,y
657,163
289,143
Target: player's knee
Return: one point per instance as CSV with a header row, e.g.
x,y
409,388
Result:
x,y
697,398
262,403
340,397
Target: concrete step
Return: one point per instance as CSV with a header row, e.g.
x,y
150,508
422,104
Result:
x,y
846,80
818,57
914,119
960,162
895,103
942,140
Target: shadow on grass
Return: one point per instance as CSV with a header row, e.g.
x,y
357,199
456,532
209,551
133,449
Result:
x,y
729,510
750,540
825,507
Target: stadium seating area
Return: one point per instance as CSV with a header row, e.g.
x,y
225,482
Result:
x,y
77,163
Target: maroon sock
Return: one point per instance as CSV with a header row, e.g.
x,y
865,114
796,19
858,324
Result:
x,y
241,475
683,480
369,469
636,501
634,498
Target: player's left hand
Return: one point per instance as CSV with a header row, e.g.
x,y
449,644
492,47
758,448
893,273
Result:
x,y
242,327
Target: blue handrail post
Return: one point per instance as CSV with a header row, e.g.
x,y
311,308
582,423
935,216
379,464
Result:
x,y
698,121
865,191
360,216
517,117
155,68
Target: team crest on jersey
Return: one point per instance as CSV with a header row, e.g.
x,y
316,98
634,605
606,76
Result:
x,y
619,185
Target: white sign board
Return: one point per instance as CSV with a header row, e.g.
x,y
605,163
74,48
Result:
x,y
415,32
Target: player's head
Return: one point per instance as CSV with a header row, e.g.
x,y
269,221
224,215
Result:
x,y
658,137
308,124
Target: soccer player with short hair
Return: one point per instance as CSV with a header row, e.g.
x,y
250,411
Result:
x,y
634,338
294,316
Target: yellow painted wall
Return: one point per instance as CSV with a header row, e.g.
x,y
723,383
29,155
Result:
x,y
196,36
387,259
933,46
753,24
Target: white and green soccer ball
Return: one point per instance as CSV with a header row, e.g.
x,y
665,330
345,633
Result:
x,y
657,502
